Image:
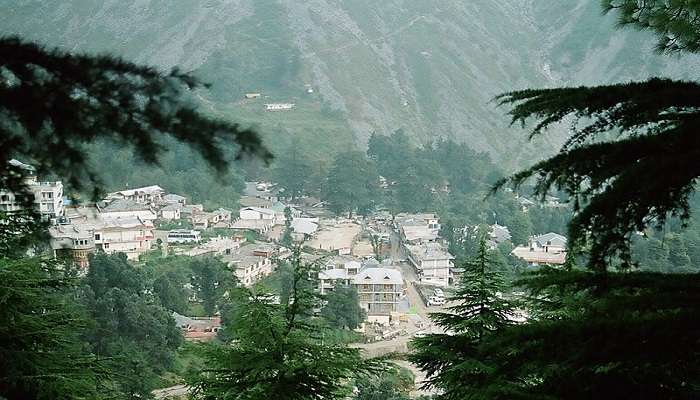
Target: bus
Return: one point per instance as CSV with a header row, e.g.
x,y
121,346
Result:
x,y
183,236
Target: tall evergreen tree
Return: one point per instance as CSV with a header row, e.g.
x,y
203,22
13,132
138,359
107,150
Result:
x,y
274,353
451,360
53,104
520,227
601,334
211,279
377,243
589,335
352,184
342,309
393,154
286,239
292,171
42,355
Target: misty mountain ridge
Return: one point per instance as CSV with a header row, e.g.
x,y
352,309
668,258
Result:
x,y
430,68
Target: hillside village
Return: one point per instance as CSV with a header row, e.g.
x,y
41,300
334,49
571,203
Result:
x,y
349,200
398,264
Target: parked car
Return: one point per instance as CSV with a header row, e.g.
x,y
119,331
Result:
x,y
420,334
436,301
439,293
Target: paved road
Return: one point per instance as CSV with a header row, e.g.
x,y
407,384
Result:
x,y
396,253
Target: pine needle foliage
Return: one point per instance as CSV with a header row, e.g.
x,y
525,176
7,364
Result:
x,y
41,353
20,230
632,162
53,102
452,361
629,162
616,335
642,175
480,307
676,23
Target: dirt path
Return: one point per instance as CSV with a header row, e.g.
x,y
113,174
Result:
x,y
171,392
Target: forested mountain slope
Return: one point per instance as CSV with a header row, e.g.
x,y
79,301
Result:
x,y
430,67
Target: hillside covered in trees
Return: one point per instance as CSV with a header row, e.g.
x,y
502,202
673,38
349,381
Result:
x,y
429,68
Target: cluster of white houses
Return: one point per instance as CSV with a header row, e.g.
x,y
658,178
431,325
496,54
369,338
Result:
x,y
122,223
125,222
426,252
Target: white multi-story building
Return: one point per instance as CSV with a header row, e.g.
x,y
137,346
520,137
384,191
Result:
x,y
8,202
432,262
338,269
129,235
379,289
171,211
257,213
328,279
48,196
256,218
251,263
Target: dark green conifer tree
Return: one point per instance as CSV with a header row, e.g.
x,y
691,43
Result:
x,y
647,168
274,352
352,184
452,360
42,354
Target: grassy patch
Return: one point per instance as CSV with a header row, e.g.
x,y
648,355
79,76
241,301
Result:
x,y
339,336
